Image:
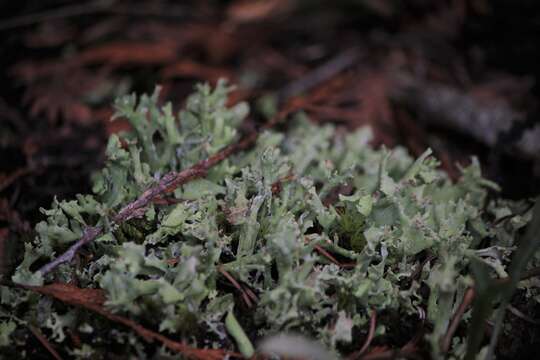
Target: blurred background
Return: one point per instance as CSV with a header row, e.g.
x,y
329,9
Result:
x,y
459,76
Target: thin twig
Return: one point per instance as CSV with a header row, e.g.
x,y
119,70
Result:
x,y
92,299
326,254
173,180
168,184
371,334
456,319
237,285
251,294
89,234
43,340
332,259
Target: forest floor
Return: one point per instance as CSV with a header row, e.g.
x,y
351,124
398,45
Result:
x,y
457,76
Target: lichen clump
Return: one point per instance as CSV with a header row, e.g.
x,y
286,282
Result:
x,y
316,226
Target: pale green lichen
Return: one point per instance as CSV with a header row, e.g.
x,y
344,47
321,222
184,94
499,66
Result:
x,y
163,270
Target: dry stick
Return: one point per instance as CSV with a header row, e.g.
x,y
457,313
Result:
x,y
152,335
325,253
89,234
371,334
93,299
332,259
456,319
173,179
251,294
237,285
46,344
167,184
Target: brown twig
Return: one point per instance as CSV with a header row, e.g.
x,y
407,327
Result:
x,y
89,234
43,340
92,299
251,294
456,319
371,334
332,258
237,285
173,180
327,255
167,201
167,184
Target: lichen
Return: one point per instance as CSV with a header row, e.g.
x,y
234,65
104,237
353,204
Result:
x,y
400,235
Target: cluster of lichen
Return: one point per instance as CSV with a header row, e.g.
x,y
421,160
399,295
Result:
x,y
260,215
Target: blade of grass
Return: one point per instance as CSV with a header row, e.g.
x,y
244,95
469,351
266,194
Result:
x,y
528,246
487,290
